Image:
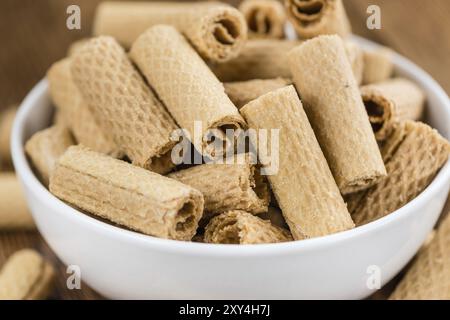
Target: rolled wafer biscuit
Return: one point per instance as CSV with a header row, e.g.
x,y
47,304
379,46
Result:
x,y
6,121
127,195
123,104
355,55
216,30
242,92
45,147
265,18
26,276
240,227
312,18
378,65
392,101
14,214
78,117
186,85
323,76
303,184
411,168
429,276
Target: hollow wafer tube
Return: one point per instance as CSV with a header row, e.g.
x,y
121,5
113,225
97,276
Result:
x,y
216,30
265,18
303,185
123,103
26,276
378,65
323,76
6,121
240,227
312,18
127,195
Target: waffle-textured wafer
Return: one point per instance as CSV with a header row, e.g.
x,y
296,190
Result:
x,y
323,75
216,30
26,276
378,65
391,101
45,147
227,187
275,216
308,196
240,227
123,103
6,121
185,84
411,168
242,92
14,214
312,18
76,46
429,276
127,195
265,18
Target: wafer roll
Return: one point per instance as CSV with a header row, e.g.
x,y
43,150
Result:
x,y
392,101
127,195
323,76
26,276
185,84
14,214
265,18
242,92
239,227
312,18
45,147
6,121
411,168
275,216
303,185
355,55
378,65
123,104
429,276
59,119
216,30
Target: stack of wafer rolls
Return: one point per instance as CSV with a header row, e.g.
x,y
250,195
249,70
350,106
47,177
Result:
x,y
312,18
127,195
378,65
323,75
216,30
6,121
265,18
239,227
26,276
307,216
123,103
187,87
391,101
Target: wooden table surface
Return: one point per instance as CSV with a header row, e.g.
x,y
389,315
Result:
x,y
33,35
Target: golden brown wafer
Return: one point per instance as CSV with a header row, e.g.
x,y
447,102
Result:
x,y
265,18
240,227
59,119
123,103
355,55
312,18
6,122
323,75
303,185
216,30
127,195
378,65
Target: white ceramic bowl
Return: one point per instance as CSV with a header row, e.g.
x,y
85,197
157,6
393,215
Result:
x,y
123,264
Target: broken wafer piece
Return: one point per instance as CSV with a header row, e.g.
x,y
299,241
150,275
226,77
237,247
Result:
x,y
378,65
6,122
240,227
127,195
308,196
26,276
265,18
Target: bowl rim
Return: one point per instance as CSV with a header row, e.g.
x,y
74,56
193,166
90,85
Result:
x,y
29,179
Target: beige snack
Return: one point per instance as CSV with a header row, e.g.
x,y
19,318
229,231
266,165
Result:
x,y
216,30
378,65
76,46
26,276
58,118
265,18
14,214
312,18
240,227
6,121
323,75
355,55
429,276
45,147
186,86
411,168
242,92
275,216
78,117
390,102
127,195
123,104
303,185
